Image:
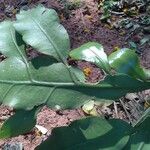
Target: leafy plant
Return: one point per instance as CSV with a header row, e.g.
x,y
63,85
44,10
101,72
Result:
x,y
107,6
120,14
28,85
122,7
69,5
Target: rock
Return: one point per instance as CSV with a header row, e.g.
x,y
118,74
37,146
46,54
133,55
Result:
x,y
13,146
41,129
132,96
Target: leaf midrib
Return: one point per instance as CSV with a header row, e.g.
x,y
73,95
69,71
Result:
x,y
57,84
67,84
49,39
21,55
37,83
101,60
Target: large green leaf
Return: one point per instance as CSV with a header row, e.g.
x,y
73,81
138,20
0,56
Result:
x,y
20,123
141,138
126,61
143,117
41,29
25,84
91,133
92,52
95,133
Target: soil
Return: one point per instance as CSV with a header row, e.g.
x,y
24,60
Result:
x,y
83,25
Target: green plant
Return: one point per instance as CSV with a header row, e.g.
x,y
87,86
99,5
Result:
x,y
71,4
27,85
120,14
122,7
107,6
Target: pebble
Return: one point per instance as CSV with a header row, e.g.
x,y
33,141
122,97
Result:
x,y
13,146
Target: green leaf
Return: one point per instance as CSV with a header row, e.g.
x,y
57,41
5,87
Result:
x,y
105,16
141,138
133,45
9,45
20,123
143,117
92,52
25,84
126,61
78,94
47,81
144,40
41,29
92,133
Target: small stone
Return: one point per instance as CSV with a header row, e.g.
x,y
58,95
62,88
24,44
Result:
x,y
13,146
131,96
42,129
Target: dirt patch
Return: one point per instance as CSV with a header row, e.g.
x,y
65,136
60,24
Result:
x,y
47,118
